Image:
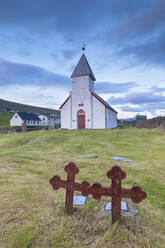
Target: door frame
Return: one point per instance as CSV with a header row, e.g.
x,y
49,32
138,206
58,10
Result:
x,y
80,113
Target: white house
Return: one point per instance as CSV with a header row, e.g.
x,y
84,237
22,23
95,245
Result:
x,y
23,117
84,108
45,119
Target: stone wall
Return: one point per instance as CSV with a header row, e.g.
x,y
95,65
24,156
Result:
x,y
151,123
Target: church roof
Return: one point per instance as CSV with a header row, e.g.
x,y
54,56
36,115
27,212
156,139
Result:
x,y
83,69
64,102
103,102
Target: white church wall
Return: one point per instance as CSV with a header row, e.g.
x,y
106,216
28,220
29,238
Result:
x,y
16,120
111,119
98,114
91,85
81,99
66,115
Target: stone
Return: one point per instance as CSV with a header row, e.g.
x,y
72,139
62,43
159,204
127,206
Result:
x,y
89,156
24,127
124,206
130,213
122,159
163,126
79,200
52,125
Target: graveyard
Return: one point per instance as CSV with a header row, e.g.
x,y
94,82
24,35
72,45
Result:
x,y
33,214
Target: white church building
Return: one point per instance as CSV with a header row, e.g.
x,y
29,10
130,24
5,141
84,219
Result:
x,y
84,108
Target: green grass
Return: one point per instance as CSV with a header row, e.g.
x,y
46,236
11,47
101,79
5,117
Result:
x,y
5,119
33,214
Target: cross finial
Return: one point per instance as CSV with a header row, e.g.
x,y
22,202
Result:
x,y
84,46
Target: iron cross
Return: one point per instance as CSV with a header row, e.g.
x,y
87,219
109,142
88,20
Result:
x,y
136,194
70,185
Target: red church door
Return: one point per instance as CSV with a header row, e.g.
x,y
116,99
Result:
x,y
81,119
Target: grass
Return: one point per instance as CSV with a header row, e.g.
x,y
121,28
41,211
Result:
x,y
5,119
33,214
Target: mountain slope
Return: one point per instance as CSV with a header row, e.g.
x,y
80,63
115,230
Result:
x,y
7,105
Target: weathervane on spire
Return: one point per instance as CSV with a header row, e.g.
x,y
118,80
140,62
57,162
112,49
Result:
x,y
84,46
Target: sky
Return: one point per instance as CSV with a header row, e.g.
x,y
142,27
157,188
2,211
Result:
x,y
41,42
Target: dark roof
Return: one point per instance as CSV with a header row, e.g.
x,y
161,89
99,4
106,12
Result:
x,y
83,69
103,102
28,116
52,116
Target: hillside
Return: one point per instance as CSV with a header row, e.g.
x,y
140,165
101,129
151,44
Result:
x,y
33,214
27,108
5,119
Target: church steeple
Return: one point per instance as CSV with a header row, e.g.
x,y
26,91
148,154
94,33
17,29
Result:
x,y
83,69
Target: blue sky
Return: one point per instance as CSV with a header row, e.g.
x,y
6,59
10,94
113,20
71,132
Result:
x,y
40,44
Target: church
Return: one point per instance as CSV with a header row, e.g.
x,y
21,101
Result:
x,y
84,108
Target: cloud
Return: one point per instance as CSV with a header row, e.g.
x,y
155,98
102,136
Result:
x,y
25,74
150,107
151,101
150,52
107,87
140,38
139,26
69,53
157,89
137,98
67,17
133,109
62,25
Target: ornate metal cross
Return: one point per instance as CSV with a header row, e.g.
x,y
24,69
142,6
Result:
x,y
136,194
70,185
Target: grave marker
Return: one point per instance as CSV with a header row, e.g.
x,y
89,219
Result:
x,y
79,200
136,194
51,125
24,127
70,185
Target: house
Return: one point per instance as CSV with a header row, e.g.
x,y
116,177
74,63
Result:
x,y
45,119
84,108
23,117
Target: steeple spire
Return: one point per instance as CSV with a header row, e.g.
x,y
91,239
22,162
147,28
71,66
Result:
x,y
83,68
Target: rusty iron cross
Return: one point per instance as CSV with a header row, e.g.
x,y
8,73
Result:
x,y
136,194
70,185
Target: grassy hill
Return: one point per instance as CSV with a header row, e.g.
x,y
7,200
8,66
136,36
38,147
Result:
x,y
33,214
5,119
22,107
